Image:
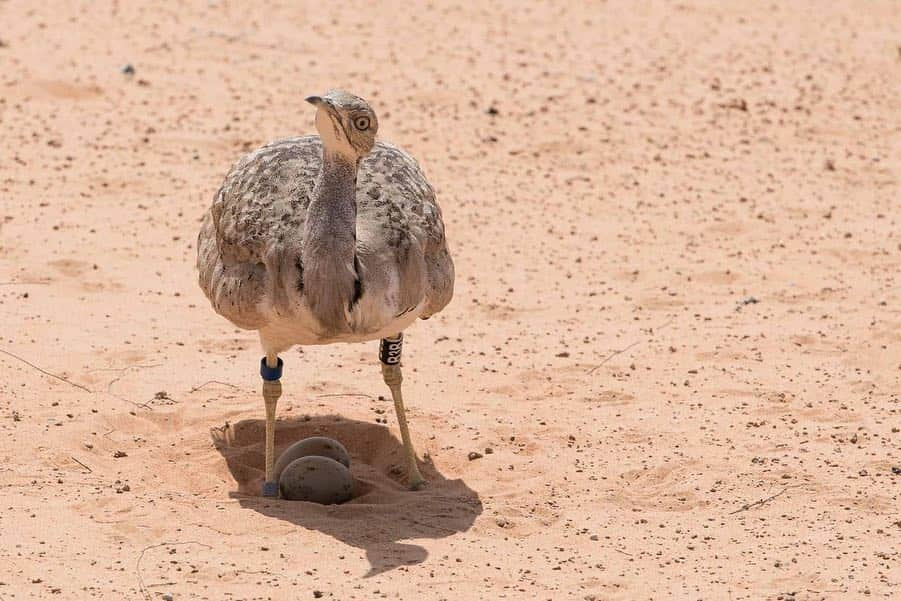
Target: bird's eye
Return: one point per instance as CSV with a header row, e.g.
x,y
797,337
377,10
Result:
x,y
361,123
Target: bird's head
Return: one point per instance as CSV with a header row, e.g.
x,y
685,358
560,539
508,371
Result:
x,y
346,123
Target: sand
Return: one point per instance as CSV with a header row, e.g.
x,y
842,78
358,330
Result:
x,y
677,323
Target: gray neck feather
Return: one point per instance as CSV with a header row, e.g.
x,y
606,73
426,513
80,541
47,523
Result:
x,y
330,241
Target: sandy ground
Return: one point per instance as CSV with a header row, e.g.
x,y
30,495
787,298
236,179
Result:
x,y
677,323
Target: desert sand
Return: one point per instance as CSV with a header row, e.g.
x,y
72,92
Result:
x,y
675,341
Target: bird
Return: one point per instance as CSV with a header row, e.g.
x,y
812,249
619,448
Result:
x,y
328,238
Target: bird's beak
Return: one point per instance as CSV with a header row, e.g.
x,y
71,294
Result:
x,y
322,103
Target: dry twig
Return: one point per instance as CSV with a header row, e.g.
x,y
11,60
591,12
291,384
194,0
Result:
x,y
142,587
621,351
611,356
81,464
47,373
122,371
196,388
760,502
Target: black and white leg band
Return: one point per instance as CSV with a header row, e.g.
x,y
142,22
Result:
x,y
390,350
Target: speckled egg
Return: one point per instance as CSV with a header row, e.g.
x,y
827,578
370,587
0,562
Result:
x,y
322,446
316,479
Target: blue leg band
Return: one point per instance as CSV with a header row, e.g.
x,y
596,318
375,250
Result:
x,y
270,374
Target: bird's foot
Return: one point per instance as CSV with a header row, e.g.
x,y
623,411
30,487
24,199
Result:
x,y
270,489
415,481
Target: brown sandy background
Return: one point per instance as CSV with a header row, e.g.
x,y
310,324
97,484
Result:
x,y
620,182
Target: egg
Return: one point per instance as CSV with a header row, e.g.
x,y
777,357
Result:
x,y
316,479
322,446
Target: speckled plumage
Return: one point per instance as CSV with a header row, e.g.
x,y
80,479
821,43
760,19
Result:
x,y
250,247
321,239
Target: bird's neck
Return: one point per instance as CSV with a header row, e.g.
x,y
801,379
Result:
x,y
333,206
330,239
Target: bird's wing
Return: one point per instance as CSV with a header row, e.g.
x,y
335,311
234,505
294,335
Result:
x,y
250,241
400,229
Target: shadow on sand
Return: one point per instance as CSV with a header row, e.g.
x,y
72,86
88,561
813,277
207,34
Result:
x,y
382,511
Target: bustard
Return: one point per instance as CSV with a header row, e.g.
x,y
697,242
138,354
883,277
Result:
x,y
322,239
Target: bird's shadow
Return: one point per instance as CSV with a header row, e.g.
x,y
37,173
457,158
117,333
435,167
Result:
x,y
382,512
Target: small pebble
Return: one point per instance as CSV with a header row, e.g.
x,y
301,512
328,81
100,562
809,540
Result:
x,y
473,455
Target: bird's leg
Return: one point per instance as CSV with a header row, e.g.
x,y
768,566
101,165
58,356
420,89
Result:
x,y
271,371
389,354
